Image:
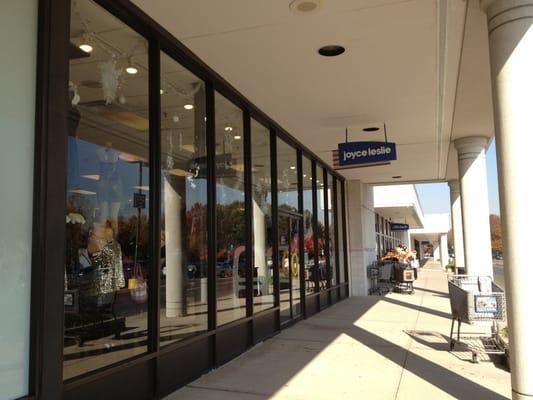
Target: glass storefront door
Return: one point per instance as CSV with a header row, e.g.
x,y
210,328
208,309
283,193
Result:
x,y
289,266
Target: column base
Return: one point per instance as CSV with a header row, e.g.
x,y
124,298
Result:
x,y
521,396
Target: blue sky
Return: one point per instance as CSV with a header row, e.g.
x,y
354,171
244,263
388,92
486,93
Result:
x,y
435,197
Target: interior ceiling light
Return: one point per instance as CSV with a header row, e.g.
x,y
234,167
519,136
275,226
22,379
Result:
x,y
188,106
304,6
331,50
86,47
161,91
396,177
237,137
131,68
371,129
292,167
176,118
228,128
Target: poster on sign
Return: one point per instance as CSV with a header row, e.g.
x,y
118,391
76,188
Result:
x,y
363,154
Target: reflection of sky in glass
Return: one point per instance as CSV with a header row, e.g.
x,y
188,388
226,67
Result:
x,y
84,172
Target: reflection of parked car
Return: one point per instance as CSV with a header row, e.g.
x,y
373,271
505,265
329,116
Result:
x,y
224,269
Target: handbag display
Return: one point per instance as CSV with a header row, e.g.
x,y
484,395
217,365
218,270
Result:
x,y
138,286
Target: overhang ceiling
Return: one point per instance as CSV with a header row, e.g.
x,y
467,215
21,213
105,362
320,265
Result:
x,y
403,66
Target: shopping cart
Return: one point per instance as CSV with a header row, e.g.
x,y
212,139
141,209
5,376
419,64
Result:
x,y
403,278
473,299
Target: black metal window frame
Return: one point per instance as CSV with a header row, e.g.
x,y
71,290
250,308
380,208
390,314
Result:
x,y
48,258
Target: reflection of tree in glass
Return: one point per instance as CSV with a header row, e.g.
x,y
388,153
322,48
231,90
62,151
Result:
x,y
230,225
196,235
126,236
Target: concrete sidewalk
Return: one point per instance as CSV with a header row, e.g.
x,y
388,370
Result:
x,y
392,347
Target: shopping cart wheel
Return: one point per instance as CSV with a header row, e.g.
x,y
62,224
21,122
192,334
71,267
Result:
x,y
475,358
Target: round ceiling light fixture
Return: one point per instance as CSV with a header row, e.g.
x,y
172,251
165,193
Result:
x,y
371,129
131,68
305,6
396,177
237,137
332,50
86,48
188,106
228,128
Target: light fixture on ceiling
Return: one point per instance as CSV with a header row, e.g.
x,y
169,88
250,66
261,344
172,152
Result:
x,y
331,50
161,91
176,118
228,128
292,167
86,47
131,68
237,137
188,106
305,6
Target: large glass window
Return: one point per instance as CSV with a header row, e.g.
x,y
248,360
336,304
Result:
x,y
18,40
263,284
287,177
231,263
340,232
183,203
107,225
331,229
321,230
308,237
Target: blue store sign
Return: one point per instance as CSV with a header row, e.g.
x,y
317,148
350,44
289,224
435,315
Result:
x,y
365,153
399,227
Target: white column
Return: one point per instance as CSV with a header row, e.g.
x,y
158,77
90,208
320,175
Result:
x,y
475,204
443,239
457,224
511,50
173,252
436,251
361,234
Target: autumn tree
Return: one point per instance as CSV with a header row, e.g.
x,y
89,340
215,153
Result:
x,y
495,232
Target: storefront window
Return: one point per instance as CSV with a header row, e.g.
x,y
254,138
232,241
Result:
x,y
287,177
263,284
321,230
183,204
107,225
340,232
231,263
331,229
309,243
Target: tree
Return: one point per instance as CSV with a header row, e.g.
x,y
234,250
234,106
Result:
x,y
495,232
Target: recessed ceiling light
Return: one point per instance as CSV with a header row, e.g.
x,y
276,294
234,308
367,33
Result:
x,y
86,48
161,91
371,129
237,137
176,118
332,50
304,6
228,128
188,106
292,167
396,177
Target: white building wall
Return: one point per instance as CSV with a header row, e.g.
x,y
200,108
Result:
x,y
361,235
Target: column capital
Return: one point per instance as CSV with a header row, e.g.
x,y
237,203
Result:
x,y
454,186
505,10
471,144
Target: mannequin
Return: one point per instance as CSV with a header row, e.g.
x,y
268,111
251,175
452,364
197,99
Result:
x,y
109,188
